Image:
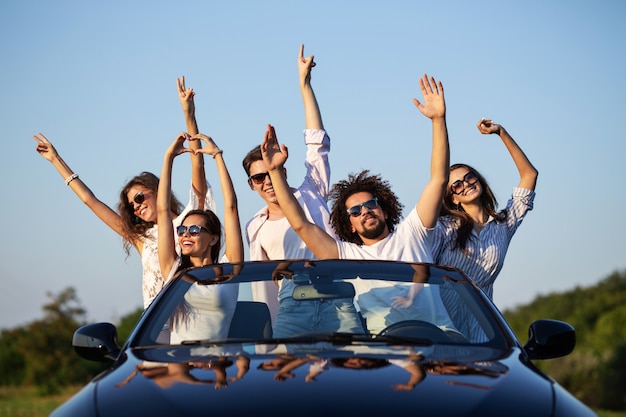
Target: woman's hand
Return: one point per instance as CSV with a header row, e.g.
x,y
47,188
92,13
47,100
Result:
x,y
210,147
44,147
487,126
178,146
185,95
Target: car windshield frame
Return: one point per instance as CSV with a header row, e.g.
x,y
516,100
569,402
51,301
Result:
x,y
316,274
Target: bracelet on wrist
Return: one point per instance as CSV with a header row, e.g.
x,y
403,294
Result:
x,y
70,179
219,151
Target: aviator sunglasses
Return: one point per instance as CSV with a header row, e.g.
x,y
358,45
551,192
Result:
x,y
258,178
194,230
458,186
355,211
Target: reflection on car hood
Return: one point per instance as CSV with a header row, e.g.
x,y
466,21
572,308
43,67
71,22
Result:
x,y
348,338
389,379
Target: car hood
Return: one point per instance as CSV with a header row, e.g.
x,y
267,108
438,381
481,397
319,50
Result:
x,y
392,381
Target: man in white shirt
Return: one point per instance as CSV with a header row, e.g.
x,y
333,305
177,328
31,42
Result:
x,y
271,237
366,213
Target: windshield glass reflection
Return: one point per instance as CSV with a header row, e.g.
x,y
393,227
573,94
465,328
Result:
x,y
375,300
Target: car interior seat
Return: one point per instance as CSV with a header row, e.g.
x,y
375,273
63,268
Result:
x,y
251,320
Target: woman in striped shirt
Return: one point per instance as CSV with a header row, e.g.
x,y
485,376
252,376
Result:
x,y
470,234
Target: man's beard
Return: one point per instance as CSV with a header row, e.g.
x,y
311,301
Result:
x,y
375,232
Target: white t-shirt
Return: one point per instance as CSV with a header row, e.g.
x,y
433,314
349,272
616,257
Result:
x,y
411,242
280,241
208,313
374,299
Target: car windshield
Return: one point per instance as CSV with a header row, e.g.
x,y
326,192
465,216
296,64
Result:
x,y
339,302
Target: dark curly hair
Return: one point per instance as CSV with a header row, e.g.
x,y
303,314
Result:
x,y
356,183
132,226
463,221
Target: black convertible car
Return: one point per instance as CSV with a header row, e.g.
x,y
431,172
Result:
x,y
351,338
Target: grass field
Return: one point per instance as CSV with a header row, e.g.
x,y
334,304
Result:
x,y
26,402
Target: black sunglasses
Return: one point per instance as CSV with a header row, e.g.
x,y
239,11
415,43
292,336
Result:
x,y
355,211
138,198
258,178
194,230
458,186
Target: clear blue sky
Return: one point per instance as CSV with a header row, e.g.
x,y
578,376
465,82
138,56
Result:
x,y
98,79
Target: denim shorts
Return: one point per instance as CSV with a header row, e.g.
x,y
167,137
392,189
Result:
x,y
334,315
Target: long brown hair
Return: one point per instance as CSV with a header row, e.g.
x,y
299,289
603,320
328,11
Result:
x,y
461,219
132,226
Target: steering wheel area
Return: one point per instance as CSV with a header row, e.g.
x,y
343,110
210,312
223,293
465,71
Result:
x,y
415,329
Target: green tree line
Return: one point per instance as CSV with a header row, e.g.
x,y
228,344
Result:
x,y
41,354
596,371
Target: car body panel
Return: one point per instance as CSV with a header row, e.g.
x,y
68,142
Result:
x,y
410,370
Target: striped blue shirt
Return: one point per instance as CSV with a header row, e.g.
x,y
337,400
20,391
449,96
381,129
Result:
x,y
485,252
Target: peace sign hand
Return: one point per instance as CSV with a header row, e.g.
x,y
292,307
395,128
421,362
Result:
x,y
45,148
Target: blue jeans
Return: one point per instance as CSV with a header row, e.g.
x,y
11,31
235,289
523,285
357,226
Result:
x,y
334,315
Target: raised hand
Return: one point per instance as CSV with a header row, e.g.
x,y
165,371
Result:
x,y
434,105
44,147
487,126
185,95
273,156
178,146
210,147
305,65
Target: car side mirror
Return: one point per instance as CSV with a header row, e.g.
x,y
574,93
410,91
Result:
x,y
96,342
549,339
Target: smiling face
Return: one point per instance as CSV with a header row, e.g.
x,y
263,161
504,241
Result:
x,y
259,180
370,224
464,186
143,203
196,242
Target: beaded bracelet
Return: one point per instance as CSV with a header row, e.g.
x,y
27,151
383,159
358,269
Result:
x,y
217,152
70,179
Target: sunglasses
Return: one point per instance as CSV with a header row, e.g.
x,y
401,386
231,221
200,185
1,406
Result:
x,y
458,186
355,211
194,230
258,178
138,198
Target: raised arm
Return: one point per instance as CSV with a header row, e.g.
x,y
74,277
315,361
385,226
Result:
x,y
198,175
104,212
527,172
312,115
232,227
434,107
321,243
166,238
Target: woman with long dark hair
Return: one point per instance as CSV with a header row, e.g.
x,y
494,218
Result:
x,y
471,233
135,219
208,309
